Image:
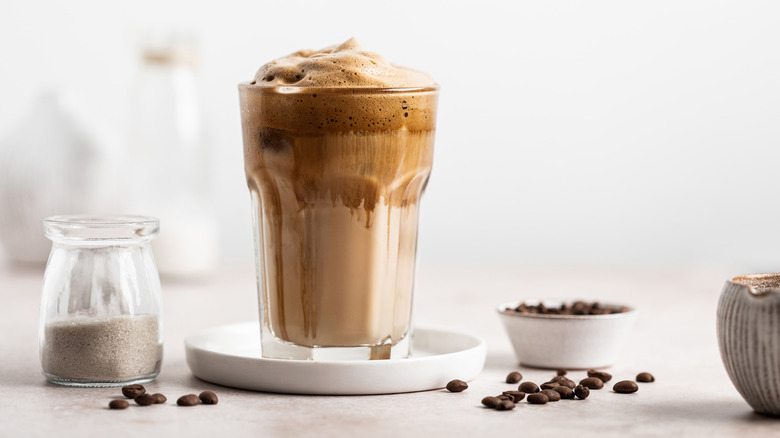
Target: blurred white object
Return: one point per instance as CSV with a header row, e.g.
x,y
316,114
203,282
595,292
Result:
x,y
167,157
50,164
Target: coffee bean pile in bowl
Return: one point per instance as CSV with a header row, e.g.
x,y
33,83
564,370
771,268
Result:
x,y
567,333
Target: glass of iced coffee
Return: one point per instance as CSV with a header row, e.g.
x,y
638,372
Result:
x,y
338,148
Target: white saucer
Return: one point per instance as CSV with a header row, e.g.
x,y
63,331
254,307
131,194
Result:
x,y
229,355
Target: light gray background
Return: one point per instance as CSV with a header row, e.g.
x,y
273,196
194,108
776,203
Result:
x,y
570,132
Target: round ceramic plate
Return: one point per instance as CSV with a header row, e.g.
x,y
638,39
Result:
x,y
229,355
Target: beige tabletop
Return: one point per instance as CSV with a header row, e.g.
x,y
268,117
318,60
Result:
x,y
674,338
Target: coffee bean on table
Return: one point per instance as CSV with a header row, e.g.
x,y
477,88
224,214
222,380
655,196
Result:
x,y
133,391
491,402
645,377
625,387
209,398
564,391
561,372
538,398
568,383
504,397
159,398
145,400
516,395
552,395
557,379
118,404
528,387
601,375
549,385
505,405
514,377
592,383
188,400
457,386
582,392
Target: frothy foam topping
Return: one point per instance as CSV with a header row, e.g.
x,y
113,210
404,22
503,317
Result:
x,y
345,65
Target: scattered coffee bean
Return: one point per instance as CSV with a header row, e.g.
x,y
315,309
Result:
x,y
552,396
575,308
564,391
582,392
210,398
188,400
491,402
625,387
567,383
557,379
133,391
514,377
592,383
159,398
516,395
538,398
561,372
118,404
549,385
145,400
602,375
457,386
645,377
505,405
504,397
528,387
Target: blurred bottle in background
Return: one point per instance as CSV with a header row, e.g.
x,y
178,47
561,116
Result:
x,y
169,174
53,162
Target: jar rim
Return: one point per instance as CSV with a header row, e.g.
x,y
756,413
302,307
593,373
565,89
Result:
x,y
101,229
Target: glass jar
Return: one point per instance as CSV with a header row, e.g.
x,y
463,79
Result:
x,y
101,309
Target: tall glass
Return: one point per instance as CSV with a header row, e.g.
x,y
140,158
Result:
x,y
335,176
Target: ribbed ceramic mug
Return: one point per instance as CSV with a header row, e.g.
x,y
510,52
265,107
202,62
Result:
x,y
749,338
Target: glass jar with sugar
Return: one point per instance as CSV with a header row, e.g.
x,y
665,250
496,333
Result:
x,y
101,309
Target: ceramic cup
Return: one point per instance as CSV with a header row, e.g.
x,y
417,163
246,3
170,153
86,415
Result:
x,y
749,338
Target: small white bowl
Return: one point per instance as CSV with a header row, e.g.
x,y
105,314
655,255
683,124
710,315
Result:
x,y
566,341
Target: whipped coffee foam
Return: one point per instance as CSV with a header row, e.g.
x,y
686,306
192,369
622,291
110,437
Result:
x,y
345,65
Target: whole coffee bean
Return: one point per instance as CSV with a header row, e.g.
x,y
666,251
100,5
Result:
x,y
592,383
538,398
561,372
567,383
210,398
514,377
601,375
145,400
188,400
118,404
564,391
491,402
557,379
505,405
645,377
582,392
516,395
528,387
457,386
505,397
552,396
133,391
159,398
549,385
625,387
